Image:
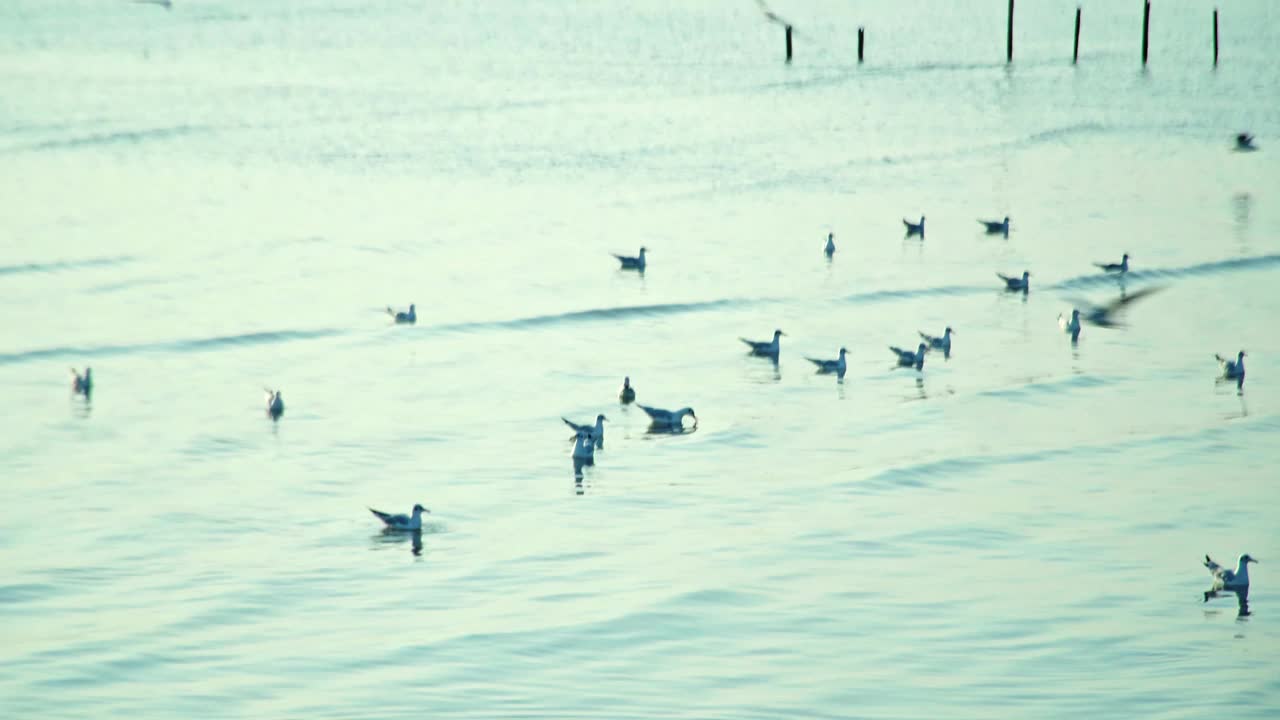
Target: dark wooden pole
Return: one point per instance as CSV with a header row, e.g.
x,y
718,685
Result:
x,y
788,43
1215,36
1146,26
1009,44
1075,48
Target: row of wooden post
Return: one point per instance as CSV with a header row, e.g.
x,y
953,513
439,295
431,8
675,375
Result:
x,y
1075,46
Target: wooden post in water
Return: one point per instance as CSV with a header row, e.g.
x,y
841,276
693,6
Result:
x,y
788,43
1075,47
1009,44
1146,27
1215,35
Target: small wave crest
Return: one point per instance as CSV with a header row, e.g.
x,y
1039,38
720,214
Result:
x,y
59,265
180,346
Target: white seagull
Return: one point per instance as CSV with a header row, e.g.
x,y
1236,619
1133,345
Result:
x,y
1120,267
82,384
597,431
997,227
628,393
584,447
1072,326
939,343
1244,142
914,228
837,366
907,358
632,263
830,249
667,418
402,522
1232,369
770,348
275,404
403,318
1224,579
1016,284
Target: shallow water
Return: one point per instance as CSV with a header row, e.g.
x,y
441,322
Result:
x,y
204,201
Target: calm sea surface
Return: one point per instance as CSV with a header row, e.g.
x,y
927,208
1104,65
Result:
x,y
201,201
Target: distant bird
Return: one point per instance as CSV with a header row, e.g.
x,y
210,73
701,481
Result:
x,y
939,343
914,228
997,227
837,366
597,431
1072,326
1244,143
1232,369
403,318
402,522
906,358
830,249
666,418
628,393
767,349
1224,579
1120,267
632,263
166,4
1022,284
275,404
1107,316
82,384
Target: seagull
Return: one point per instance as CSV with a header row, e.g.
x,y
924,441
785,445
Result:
x,y
830,249
628,393
939,343
906,358
914,228
1072,326
837,366
1244,142
597,431
402,522
1224,579
275,404
1022,284
632,263
997,227
666,418
584,447
82,384
1106,315
769,349
1120,267
1232,369
402,318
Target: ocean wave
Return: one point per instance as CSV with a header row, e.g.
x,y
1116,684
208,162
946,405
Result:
x,y
180,346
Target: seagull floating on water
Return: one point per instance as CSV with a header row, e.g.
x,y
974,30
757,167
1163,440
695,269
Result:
x,y
768,349
906,358
1120,267
939,343
1232,369
402,522
402,318
830,249
1072,326
1022,284
666,418
275,404
1224,579
628,393
914,228
1244,142
996,227
584,447
597,431
632,263
837,366
82,384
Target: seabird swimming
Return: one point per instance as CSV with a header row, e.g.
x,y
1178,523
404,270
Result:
x,y
939,343
914,228
1244,142
628,393
837,366
768,349
1120,267
275,404
410,317
1072,326
1224,579
997,227
830,249
666,418
402,522
82,384
906,358
1232,369
597,431
632,263
1022,284
584,448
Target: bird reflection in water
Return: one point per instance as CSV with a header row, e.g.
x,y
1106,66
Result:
x,y
1242,600
396,537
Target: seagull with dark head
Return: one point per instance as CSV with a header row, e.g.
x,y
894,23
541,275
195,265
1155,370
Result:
x,y
763,348
1016,284
628,393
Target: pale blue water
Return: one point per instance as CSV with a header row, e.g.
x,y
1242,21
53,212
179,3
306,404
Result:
x,y
203,201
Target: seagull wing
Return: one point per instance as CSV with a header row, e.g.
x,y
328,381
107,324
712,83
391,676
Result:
x,y
576,427
386,517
